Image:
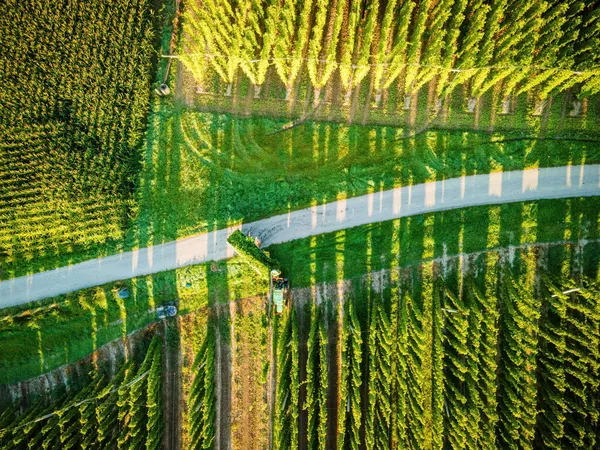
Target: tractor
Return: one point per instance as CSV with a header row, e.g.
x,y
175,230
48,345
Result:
x,y
280,291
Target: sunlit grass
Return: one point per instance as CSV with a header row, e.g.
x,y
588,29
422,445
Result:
x,y
60,330
426,236
236,169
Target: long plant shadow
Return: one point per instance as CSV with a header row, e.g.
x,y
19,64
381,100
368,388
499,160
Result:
x,y
478,241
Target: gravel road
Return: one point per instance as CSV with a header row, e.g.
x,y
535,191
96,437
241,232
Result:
x,y
495,188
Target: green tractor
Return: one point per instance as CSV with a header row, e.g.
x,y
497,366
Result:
x,y
280,291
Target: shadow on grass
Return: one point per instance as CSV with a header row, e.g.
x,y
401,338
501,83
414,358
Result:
x,y
191,158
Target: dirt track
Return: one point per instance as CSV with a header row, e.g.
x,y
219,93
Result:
x,y
172,388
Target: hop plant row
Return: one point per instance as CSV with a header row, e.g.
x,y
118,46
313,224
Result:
x,y
123,412
483,360
543,46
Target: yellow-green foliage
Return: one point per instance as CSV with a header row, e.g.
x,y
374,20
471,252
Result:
x,y
539,46
122,412
72,114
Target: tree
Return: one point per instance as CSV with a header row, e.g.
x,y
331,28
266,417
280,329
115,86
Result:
x,y
286,414
434,39
107,410
415,44
378,423
484,320
256,37
154,425
516,385
291,18
415,347
485,57
316,380
554,52
133,436
520,48
450,47
202,399
582,357
356,47
217,26
468,47
459,433
551,377
587,56
390,56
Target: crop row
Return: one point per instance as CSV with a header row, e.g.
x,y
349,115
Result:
x,y
515,45
123,412
480,360
202,396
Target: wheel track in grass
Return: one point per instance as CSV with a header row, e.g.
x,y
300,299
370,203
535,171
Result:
x,y
379,206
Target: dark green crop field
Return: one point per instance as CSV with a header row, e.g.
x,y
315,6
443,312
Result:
x,y
74,102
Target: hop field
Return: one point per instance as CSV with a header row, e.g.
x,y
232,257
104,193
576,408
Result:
x,y
119,411
461,329
546,46
75,94
392,61
479,353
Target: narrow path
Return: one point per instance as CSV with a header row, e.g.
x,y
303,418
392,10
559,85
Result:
x,y
172,358
495,188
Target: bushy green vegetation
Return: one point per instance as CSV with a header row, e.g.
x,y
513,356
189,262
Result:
x,y
379,409
472,353
542,46
202,399
285,433
316,380
123,412
249,252
74,102
350,416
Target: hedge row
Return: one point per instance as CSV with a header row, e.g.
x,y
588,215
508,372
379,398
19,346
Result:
x,y
247,249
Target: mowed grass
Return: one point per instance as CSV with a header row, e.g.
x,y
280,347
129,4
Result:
x,y
40,337
206,170
351,253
